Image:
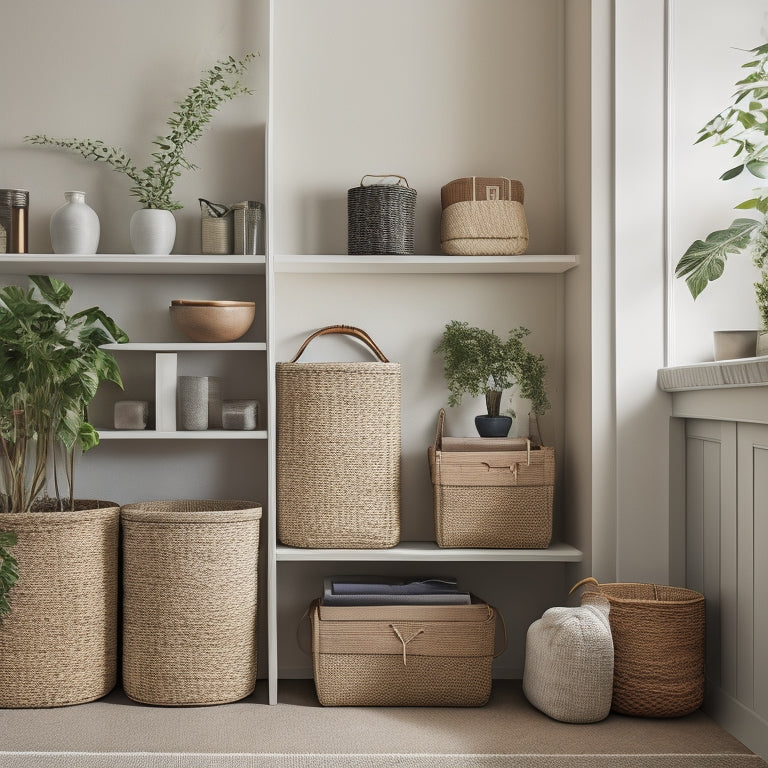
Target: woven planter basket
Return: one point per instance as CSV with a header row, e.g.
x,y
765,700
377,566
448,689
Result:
x,y
189,601
58,646
658,639
338,451
380,217
404,663
484,228
500,499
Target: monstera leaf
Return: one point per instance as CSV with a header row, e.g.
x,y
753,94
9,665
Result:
x,y
705,259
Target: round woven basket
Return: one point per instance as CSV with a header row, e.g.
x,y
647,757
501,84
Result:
x,y
189,601
58,645
658,639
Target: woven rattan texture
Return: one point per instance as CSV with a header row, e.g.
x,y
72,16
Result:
x,y
338,454
58,646
484,228
380,219
189,601
658,638
410,663
481,188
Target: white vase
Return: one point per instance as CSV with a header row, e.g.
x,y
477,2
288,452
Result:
x,y
762,344
153,231
75,226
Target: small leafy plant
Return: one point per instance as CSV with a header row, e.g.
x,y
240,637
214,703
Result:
x,y
744,125
51,364
153,185
479,362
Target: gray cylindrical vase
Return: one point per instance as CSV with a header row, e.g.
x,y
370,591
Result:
x,y
193,402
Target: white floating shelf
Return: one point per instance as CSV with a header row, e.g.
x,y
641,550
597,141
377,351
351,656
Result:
x,y
526,263
205,434
129,264
428,551
180,346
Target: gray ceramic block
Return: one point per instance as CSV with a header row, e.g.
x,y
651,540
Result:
x,y
240,414
131,414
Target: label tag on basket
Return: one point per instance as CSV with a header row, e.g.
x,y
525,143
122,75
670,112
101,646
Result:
x,y
492,193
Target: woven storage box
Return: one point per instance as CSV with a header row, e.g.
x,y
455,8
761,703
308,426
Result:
x,y
189,601
403,655
488,222
338,450
380,217
58,645
658,639
501,499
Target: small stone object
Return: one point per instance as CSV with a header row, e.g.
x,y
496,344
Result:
x,y
214,402
240,414
131,414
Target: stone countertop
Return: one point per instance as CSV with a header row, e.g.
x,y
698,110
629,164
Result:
x,y
743,372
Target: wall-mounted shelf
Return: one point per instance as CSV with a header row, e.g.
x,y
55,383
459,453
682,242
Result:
x,y
428,551
129,264
180,346
524,264
205,434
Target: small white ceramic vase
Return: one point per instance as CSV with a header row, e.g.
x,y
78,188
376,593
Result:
x,y
153,231
75,226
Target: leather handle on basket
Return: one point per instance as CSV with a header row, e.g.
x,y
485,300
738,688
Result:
x,y
385,176
439,431
588,580
504,630
347,330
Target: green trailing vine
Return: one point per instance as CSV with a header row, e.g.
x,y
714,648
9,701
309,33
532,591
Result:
x,y
153,185
9,571
479,362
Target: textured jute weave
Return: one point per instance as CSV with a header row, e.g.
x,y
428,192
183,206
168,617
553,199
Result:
x,y
338,454
189,601
658,639
403,663
58,646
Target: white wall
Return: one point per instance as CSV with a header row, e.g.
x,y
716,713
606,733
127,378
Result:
x,y
112,70
705,61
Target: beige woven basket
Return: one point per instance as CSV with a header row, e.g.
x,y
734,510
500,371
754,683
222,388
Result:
x,y
58,646
189,601
501,499
437,663
338,450
658,639
484,228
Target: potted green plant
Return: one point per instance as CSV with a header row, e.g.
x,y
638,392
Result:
x,y
479,362
62,610
744,126
153,228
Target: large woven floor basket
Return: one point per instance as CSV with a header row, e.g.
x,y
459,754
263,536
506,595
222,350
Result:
x,y
658,639
189,601
338,450
58,645
403,662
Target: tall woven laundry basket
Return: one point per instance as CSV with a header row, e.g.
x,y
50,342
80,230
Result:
x,y
338,450
658,640
189,601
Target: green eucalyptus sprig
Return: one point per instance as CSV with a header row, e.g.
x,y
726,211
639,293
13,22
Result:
x,y
9,570
153,185
478,362
743,125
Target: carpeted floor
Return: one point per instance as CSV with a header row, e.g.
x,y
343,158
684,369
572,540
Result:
x,y
298,733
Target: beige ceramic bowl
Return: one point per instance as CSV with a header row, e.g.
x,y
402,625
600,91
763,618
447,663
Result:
x,y
212,321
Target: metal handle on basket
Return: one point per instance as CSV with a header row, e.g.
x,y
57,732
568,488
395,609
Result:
x,y
385,176
347,330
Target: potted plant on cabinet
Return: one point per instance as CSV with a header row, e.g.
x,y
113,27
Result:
x,y
478,362
153,228
744,125
58,641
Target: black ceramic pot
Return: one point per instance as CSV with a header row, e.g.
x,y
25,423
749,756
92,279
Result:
x,y
493,426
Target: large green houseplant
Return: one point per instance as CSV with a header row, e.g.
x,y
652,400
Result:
x,y
153,185
58,554
479,362
744,126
